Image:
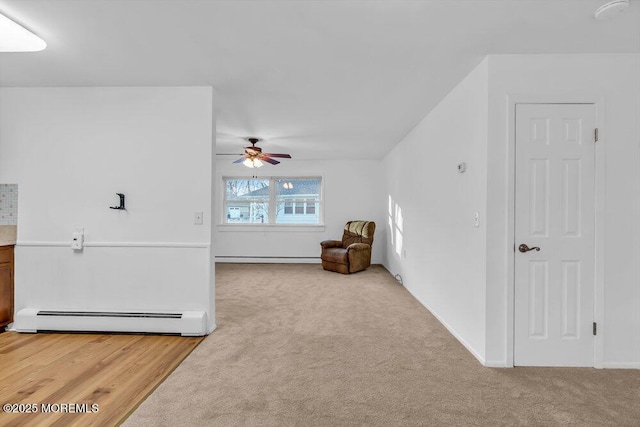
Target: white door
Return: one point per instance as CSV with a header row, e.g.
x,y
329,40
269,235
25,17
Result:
x,y
555,212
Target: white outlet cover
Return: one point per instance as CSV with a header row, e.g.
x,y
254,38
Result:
x,y
197,218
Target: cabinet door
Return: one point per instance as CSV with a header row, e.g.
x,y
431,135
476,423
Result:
x,y
6,294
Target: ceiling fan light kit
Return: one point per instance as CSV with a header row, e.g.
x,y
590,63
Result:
x,y
252,163
611,9
253,156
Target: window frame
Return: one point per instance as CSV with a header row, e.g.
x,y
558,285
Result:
x,y
224,224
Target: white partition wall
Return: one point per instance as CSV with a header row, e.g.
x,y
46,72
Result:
x,y
71,150
431,205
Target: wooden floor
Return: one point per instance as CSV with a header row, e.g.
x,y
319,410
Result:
x,y
114,373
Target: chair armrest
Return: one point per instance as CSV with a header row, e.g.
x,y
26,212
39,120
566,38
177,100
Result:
x,y
359,247
331,244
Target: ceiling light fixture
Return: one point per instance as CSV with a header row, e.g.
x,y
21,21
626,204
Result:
x,y
15,38
252,163
611,9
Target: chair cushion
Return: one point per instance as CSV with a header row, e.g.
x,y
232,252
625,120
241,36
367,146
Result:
x,y
358,232
335,255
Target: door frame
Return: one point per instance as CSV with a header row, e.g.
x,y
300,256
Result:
x,y
598,102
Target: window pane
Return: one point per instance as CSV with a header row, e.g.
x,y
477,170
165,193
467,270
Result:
x,y
297,200
247,189
247,212
299,188
247,200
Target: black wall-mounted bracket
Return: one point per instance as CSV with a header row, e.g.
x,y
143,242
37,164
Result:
x,y
121,207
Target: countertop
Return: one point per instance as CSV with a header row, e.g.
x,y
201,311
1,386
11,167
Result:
x,y
8,234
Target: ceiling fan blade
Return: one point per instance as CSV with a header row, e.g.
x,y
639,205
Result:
x,y
284,156
268,160
240,160
228,154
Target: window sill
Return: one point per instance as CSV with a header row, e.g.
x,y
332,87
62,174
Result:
x,y
271,227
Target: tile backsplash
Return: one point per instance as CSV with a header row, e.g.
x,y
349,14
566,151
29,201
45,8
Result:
x,y
8,204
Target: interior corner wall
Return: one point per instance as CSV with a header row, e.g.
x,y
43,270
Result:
x,y
351,190
211,218
70,150
614,80
431,238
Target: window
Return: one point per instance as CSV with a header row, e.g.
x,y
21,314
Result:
x,y
247,201
272,200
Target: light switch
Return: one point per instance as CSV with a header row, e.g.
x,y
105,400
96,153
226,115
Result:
x,y
197,218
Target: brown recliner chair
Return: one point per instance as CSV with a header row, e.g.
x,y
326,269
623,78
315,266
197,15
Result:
x,y
353,252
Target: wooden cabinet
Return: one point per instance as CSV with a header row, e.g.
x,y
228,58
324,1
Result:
x,y
6,285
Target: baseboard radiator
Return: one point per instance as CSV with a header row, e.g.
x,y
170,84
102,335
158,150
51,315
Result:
x,y
187,323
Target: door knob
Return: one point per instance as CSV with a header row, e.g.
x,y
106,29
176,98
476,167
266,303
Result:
x,y
524,248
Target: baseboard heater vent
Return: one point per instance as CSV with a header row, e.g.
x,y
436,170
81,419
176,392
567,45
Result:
x,y
109,314
187,323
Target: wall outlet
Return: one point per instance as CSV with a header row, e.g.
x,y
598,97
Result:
x,y
476,219
77,239
197,218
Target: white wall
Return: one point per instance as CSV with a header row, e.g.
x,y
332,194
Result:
x,y
431,208
352,190
70,150
452,268
613,82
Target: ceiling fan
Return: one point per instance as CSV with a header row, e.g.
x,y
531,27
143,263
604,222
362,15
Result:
x,y
253,156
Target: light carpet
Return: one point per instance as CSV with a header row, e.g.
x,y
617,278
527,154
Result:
x,y
297,345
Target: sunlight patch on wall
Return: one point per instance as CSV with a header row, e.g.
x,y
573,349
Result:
x,y
391,228
396,225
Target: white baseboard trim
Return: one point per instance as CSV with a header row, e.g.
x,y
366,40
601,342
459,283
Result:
x,y
213,328
497,364
621,365
449,328
267,260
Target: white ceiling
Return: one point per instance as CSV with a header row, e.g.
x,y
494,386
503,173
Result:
x,y
317,79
